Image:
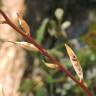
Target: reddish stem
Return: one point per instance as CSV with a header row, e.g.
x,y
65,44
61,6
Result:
x,y
44,52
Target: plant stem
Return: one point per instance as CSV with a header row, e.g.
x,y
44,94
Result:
x,y
44,52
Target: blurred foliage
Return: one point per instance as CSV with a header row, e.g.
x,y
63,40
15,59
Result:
x,y
27,85
41,30
57,83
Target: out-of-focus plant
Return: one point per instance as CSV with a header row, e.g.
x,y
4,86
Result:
x,y
41,30
58,27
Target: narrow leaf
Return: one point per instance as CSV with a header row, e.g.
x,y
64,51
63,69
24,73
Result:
x,y
41,30
75,62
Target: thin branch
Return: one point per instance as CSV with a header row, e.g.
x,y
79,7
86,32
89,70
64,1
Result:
x,y
44,52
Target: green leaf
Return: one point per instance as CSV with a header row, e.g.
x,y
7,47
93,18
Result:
x,y
41,30
27,85
55,52
41,92
50,79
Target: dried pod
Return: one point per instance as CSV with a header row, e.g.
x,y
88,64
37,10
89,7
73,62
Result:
x,y
50,65
75,62
23,24
27,46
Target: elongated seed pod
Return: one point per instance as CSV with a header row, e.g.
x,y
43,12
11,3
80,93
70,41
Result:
x,y
75,62
23,24
51,65
25,45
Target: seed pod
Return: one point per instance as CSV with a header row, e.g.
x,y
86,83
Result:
x,y
27,46
50,65
75,62
23,24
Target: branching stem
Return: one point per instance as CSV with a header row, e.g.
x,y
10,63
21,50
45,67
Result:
x,y
44,52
